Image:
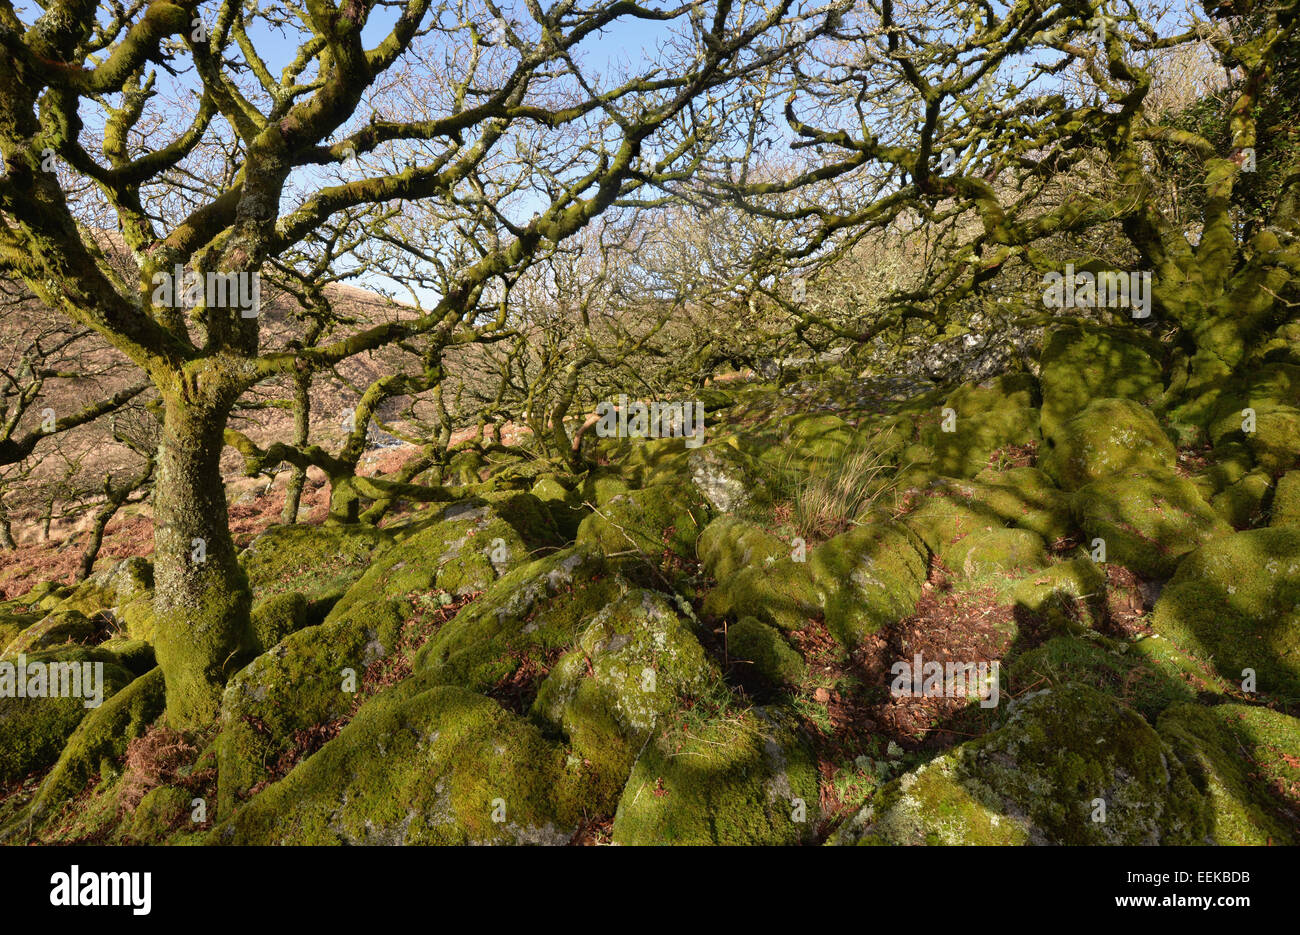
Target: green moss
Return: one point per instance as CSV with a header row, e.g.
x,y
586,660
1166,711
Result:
x,y
1242,503
119,584
1082,362
56,628
160,813
1229,462
743,779
1147,521
315,561
277,617
1007,391
457,548
531,519
433,767
930,806
1272,392
563,504
135,655
1239,756
946,517
465,468
813,439
33,729
996,552
1107,438
1286,501
99,741
600,487
297,686
527,615
781,593
659,519
1023,497
986,417
1142,676
762,647
1236,600
654,461
1035,780
867,578
634,662
729,544
1068,596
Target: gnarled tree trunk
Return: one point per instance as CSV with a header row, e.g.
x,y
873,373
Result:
x,y
202,598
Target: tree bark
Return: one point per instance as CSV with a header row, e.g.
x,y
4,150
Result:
x,y
202,598
301,425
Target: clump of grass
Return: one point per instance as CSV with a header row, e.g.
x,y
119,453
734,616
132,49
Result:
x,y
827,499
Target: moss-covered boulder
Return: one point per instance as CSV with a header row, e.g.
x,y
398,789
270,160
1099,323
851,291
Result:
x,y
111,588
949,517
1268,397
1276,439
1068,596
781,593
1246,761
1082,362
1148,522
442,766
727,477
523,622
1236,600
563,503
754,644
1022,496
1070,766
1227,463
135,655
533,521
1148,676
1107,438
54,629
601,485
97,744
304,682
308,678
1286,501
277,617
729,544
868,577
747,778
319,562
984,417
1243,503
162,811
635,661
812,440
998,552
15,616
59,687
646,461
665,518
